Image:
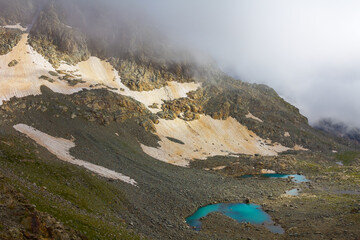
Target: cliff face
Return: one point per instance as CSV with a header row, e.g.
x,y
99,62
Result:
x,y
8,39
56,41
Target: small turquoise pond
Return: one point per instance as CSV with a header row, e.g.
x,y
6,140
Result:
x,y
297,178
240,212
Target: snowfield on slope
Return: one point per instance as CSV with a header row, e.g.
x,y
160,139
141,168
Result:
x,y
95,71
207,137
202,138
23,79
60,147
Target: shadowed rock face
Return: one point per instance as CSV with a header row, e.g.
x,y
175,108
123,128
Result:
x,y
56,41
8,39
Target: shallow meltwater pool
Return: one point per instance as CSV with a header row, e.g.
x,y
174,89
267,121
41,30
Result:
x,y
297,178
240,212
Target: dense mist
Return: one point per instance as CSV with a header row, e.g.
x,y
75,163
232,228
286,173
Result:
x,y
307,50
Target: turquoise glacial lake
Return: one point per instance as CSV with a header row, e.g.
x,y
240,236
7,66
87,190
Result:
x,y
297,178
240,212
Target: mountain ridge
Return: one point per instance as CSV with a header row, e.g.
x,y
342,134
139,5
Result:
x,y
184,131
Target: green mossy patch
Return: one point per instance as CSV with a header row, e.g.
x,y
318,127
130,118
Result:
x,y
71,194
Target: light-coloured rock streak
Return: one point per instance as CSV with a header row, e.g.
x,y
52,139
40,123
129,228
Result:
x,y
61,148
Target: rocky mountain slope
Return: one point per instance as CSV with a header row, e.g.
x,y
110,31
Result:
x,y
125,135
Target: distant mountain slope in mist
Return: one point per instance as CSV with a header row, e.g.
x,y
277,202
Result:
x,y
339,129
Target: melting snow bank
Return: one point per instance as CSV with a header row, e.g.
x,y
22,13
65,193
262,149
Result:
x,y
61,148
207,137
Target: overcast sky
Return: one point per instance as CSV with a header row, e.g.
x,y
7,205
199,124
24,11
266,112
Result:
x,y
307,50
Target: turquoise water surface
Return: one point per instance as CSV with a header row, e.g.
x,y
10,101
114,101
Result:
x,y
241,212
297,178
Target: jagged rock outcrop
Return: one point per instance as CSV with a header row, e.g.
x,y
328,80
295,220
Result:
x,y
101,106
148,76
56,41
106,107
13,63
184,108
8,39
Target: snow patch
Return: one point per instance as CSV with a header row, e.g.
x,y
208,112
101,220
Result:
x,y
17,26
23,79
299,148
267,171
60,147
218,168
207,137
249,115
